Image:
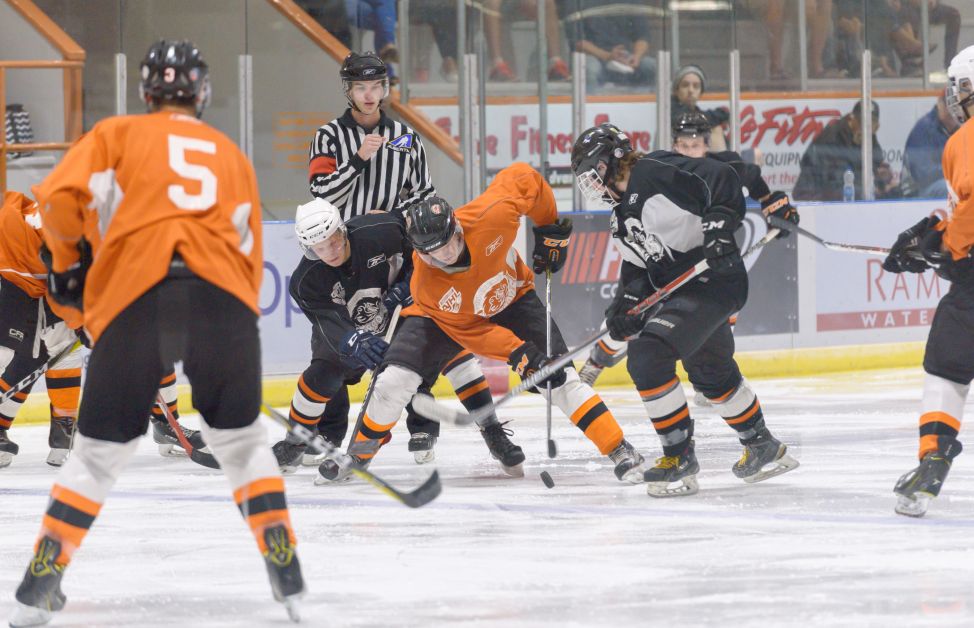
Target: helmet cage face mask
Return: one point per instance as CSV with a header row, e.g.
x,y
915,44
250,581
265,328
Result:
x,y
595,160
594,190
960,94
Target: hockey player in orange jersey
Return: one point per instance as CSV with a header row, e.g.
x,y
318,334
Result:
x,y
946,247
171,209
474,292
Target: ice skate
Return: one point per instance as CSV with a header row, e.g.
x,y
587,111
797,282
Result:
x,y
288,455
916,488
629,463
421,445
311,459
168,442
59,440
284,570
509,455
590,372
762,451
669,470
39,594
8,449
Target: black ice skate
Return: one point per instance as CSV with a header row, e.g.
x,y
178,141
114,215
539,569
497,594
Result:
x,y
59,440
289,455
590,372
8,449
503,450
760,452
629,463
917,487
421,445
284,570
669,470
39,595
168,442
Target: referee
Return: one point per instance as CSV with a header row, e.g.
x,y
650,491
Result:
x,y
363,162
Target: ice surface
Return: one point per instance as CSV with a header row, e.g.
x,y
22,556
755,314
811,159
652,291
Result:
x,y
820,546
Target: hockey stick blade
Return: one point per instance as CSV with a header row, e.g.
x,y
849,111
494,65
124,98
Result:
x,y
428,407
197,456
420,496
833,246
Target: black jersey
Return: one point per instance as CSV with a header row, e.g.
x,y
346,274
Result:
x,y
338,300
749,173
658,224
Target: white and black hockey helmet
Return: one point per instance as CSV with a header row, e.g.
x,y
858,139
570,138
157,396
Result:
x,y
315,222
603,144
960,84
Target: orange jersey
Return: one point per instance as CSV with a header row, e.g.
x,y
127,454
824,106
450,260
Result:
x,y
461,303
140,188
958,163
20,261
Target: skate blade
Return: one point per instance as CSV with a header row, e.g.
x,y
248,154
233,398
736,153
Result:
x,y
171,451
292,607
5,459
688,486
915,506
288,469
58,457
425,456
634,475
516,471
312,460
783,464
25,616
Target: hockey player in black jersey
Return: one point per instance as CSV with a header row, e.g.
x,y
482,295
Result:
x,y
669,212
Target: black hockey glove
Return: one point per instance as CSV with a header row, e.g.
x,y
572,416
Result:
x,y
618,321
551,245
943,262
719,247
67,288
779,205
397,294
906,254
527,359
363,348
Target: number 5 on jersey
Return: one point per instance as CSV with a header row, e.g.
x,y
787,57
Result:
x,y
178,146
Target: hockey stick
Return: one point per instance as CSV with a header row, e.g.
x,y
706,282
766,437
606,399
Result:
x,y
428,407
390,330
552,448
833,246
28,381
424,494
197,456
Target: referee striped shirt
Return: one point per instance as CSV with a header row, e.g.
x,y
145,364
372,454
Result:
x,y
398,171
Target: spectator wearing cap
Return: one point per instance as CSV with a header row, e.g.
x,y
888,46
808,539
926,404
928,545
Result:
x,y
922,164
688,86
839,148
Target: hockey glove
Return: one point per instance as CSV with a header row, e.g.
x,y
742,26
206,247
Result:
x,y
618,321
779,205
719,247
527,359
397,294
67,288
943,262
906,254
363,348
551,245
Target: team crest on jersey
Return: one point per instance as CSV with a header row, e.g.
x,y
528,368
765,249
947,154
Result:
x,y
366,310
403,143
375,261
451,301
338,293
493,245
495,294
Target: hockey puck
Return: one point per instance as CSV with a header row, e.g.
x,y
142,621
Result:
x,y
546,478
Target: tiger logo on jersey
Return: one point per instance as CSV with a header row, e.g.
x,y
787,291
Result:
x,y
495,294
366,310
402,144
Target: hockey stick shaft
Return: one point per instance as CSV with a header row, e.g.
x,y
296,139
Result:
x,y
833,246
28,381
373,446
552,448
197,456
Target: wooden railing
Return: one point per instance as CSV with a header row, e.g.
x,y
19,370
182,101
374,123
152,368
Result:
x,y
71,64
337,51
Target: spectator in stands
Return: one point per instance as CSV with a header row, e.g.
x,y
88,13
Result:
x,y
922,165
818,16
495,10
332,17
441,15
378,16
689,84
909,15
616,45
839,148
852,36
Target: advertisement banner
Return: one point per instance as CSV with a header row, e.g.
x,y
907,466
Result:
x,y
852,291
285,333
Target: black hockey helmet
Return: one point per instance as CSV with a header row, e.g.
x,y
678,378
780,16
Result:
x,y
691,124
600,144
430,223
174,71
363,67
